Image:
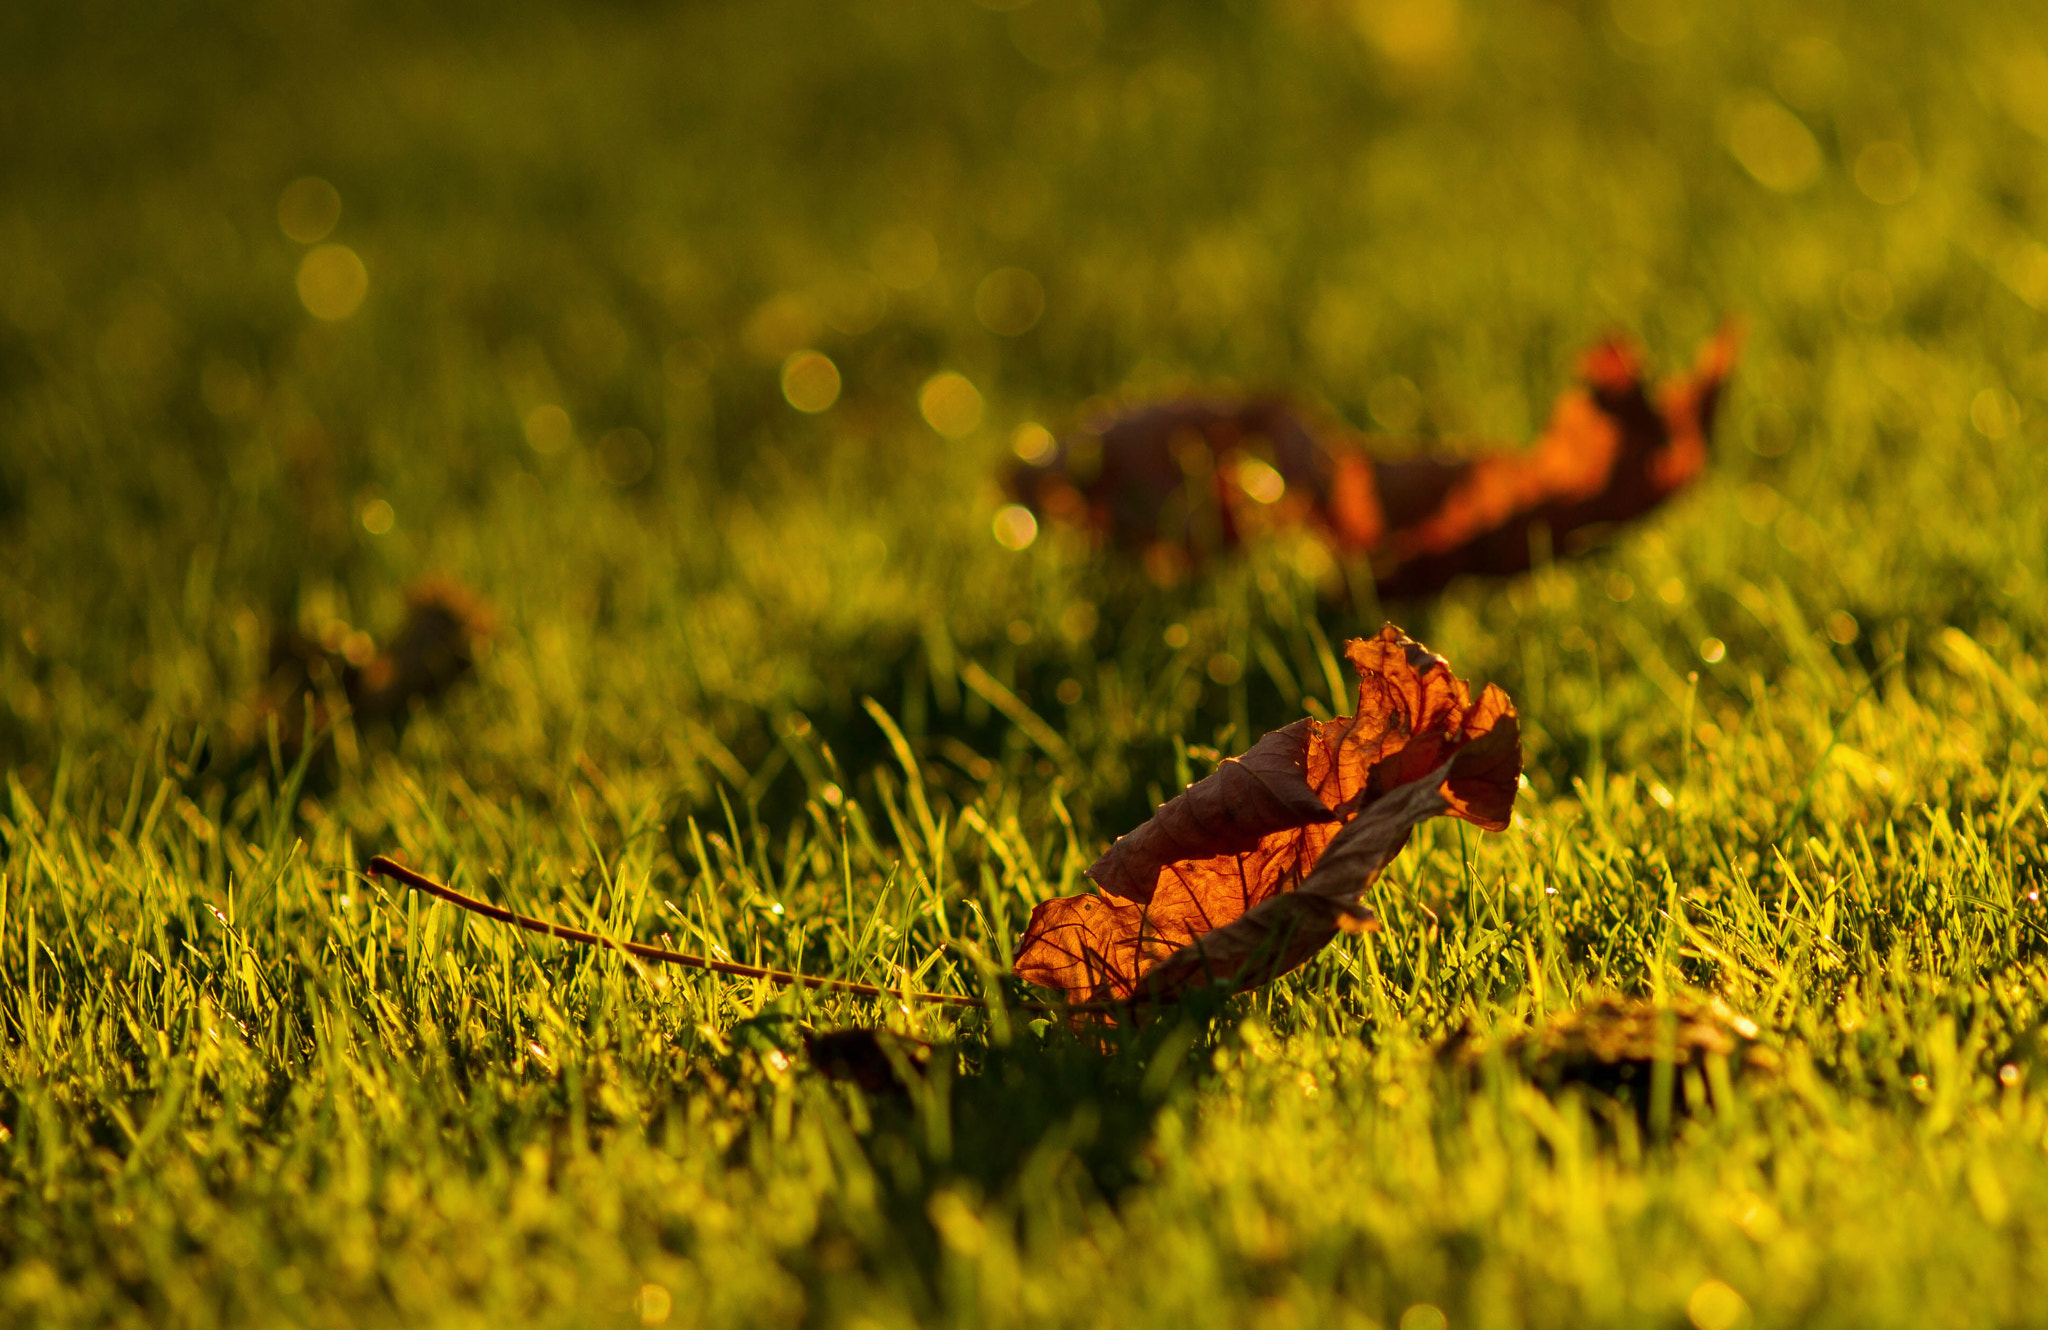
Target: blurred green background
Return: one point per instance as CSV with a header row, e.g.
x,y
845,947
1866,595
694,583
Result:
x,y
692,338
636,214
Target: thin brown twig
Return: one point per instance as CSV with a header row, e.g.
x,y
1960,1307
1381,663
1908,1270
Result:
x,y
383,867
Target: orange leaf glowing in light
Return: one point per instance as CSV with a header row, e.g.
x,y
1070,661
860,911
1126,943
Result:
x,y
1253,870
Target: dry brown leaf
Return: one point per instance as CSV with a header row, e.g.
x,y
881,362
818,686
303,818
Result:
x,y
1250,865
1189,478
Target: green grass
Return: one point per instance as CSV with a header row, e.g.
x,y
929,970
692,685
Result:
x,y
241,1084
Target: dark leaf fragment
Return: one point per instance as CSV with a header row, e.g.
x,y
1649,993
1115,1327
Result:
x,y
878,1061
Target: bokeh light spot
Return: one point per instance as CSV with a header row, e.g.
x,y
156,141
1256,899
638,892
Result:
x,y
378,517
1887,172
810,381
1842,628
1713,650
1009,302
1773,145
309,210
332,282
1807,72
1994,413
950,404
781,327
1416,35
1015,527
1033,443
1260,480
1758,503
549,430
1716,1306
654,1303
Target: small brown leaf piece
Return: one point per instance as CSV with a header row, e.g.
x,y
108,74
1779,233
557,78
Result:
x,y
1225,867
1190,478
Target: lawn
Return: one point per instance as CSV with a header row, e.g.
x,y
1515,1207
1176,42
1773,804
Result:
x,y
303,303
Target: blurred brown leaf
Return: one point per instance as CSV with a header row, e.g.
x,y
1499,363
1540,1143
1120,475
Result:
x,y
446,627
1192,477
1247,874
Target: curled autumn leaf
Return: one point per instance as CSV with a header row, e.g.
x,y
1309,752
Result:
x,y
1189,478
1255,868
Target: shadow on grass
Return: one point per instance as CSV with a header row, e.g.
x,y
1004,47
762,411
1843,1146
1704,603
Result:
x,y
1006,1141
